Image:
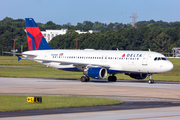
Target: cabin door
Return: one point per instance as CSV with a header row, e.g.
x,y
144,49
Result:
x,y
145,59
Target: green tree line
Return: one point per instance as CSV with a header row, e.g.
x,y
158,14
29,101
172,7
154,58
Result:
x,y
141,38
155,35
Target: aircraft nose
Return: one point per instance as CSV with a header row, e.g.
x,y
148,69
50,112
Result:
x,y
169,66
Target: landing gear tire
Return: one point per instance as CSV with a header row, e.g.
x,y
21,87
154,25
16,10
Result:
x,y
112,78
151,81
88,79
85,79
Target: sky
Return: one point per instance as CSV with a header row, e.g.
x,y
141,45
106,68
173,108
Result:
x,y
76,11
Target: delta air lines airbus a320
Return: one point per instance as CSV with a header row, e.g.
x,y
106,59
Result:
x,y
94,63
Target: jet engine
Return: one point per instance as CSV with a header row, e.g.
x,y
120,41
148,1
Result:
x,y
137,75
96,72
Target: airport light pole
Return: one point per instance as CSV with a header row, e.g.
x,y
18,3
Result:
x,y
14,47
14,43
76,42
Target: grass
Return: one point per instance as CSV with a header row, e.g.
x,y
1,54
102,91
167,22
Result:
x,y
27,68
173,75
18,102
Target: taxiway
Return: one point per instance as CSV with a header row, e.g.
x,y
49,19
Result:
x,y
145,101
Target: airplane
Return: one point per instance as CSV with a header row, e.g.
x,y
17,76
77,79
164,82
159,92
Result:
x,y
94,63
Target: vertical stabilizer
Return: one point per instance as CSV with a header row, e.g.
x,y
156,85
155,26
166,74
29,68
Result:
x,y
36,40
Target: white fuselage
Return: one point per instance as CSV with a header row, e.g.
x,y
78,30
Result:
x,y
113,61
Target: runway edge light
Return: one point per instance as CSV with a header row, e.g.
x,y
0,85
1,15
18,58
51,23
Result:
x,y
35,99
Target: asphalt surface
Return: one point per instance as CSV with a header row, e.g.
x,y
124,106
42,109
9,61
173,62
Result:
x,y
123,106
137,96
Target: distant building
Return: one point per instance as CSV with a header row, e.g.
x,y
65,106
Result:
x,y
49,34
94,31
90,31
80,32
176,52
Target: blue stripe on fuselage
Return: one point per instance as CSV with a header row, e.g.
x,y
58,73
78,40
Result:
x,y
70,69
76,69
113,71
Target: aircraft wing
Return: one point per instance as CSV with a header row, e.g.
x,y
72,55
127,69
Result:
x,y
74,63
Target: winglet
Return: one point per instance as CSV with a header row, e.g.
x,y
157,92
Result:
x,y
19,58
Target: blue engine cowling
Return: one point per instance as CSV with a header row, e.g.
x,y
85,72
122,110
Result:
x,y
96,72
137,75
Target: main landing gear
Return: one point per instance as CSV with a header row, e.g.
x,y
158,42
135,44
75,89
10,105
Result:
x,y
85,78
150,79
112,78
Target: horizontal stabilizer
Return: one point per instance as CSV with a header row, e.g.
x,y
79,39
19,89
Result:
x,y
19,58
20,54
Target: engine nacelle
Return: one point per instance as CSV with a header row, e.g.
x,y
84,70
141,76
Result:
x,y
96,72
137,75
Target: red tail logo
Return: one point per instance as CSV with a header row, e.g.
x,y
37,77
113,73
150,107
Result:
x,y
36,41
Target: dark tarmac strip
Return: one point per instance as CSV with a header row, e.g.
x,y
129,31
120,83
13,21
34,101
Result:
x,y
124,106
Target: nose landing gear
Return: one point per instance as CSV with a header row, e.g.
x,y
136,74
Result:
x,y
150,79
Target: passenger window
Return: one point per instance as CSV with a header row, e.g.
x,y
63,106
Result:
x,y
159,58
155,58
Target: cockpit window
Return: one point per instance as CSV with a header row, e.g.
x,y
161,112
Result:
x,y
159,58
163,58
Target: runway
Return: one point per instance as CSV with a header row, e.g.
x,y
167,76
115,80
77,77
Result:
x,y
135,94
169,113
39,86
